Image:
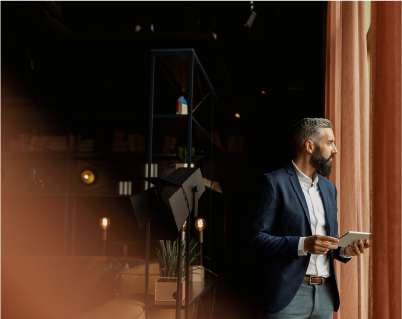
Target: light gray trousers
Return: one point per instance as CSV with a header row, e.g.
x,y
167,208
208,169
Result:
x,y
310,302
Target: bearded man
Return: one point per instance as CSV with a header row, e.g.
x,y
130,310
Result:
x,y
295,230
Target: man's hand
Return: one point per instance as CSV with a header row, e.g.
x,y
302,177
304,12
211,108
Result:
x,y
357,250
319,245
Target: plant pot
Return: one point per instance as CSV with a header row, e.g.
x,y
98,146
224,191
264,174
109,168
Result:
x,y
196,273
165,287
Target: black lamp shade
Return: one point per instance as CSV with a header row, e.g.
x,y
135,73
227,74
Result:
x,y
172,198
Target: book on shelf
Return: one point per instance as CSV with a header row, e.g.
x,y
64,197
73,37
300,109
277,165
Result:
x,y
50,143
32,143
136,143
24,142
119,144
41,143
168,142
57,143
85,145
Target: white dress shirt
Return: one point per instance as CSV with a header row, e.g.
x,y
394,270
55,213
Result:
x,y
319,264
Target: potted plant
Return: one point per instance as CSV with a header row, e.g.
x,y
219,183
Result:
x,y
167,253
181,155
196,269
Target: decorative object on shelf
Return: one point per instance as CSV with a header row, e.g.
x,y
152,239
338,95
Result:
x,y
182,153
104,224
136,143
166,289
167,253
154,173
32,183
88,177
137,28
85,145
181,105
200,225
168,143
38,143
125,188
166,284
119,144
196,271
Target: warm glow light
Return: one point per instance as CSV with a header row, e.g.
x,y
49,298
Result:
x,y
262,92
200,224
237,115
184,225
87,176
104,222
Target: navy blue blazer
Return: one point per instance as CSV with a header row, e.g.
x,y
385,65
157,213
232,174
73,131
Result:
x,y
281,218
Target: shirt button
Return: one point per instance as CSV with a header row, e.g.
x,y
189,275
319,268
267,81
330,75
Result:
x,y
306,263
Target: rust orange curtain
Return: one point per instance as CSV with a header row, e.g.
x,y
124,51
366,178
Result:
x,y
385,264
347,107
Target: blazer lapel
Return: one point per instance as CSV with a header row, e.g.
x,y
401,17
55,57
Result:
x,y
324,194
299,192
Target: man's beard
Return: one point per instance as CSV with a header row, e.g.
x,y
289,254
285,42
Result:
x,y
320,163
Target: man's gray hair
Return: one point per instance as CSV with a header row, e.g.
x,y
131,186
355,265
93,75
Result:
x,y
307,129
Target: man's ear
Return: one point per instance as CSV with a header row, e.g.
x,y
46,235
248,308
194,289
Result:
x,y
309,146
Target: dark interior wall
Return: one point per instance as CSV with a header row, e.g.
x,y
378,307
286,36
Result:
x,y
94,80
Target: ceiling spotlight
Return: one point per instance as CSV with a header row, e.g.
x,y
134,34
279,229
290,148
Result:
x,y
237,115
87,176
251,17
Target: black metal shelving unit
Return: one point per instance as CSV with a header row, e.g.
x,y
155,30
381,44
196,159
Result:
x,y
194,291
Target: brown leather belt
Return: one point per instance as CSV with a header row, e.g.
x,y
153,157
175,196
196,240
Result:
x,y
316,280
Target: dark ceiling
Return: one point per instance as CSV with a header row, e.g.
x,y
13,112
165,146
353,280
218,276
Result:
x,y
60,58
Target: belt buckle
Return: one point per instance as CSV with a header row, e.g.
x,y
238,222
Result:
x,y
312,283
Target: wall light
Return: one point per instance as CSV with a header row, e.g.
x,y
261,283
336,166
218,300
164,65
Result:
x,y
237,115
200,225
87,176
104,224
262,92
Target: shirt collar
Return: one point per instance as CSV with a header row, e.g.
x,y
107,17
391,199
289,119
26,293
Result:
x,y
304,178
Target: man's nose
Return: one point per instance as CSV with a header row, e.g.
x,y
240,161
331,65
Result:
x,y
334,150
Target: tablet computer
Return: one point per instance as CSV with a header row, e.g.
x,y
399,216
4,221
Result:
x,y
352,237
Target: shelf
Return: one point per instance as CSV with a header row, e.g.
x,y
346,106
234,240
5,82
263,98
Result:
x,y
197,289
170,116
63,194
92,155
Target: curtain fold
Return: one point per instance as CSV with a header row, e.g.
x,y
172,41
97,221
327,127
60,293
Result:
x,y
347,107
385,264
